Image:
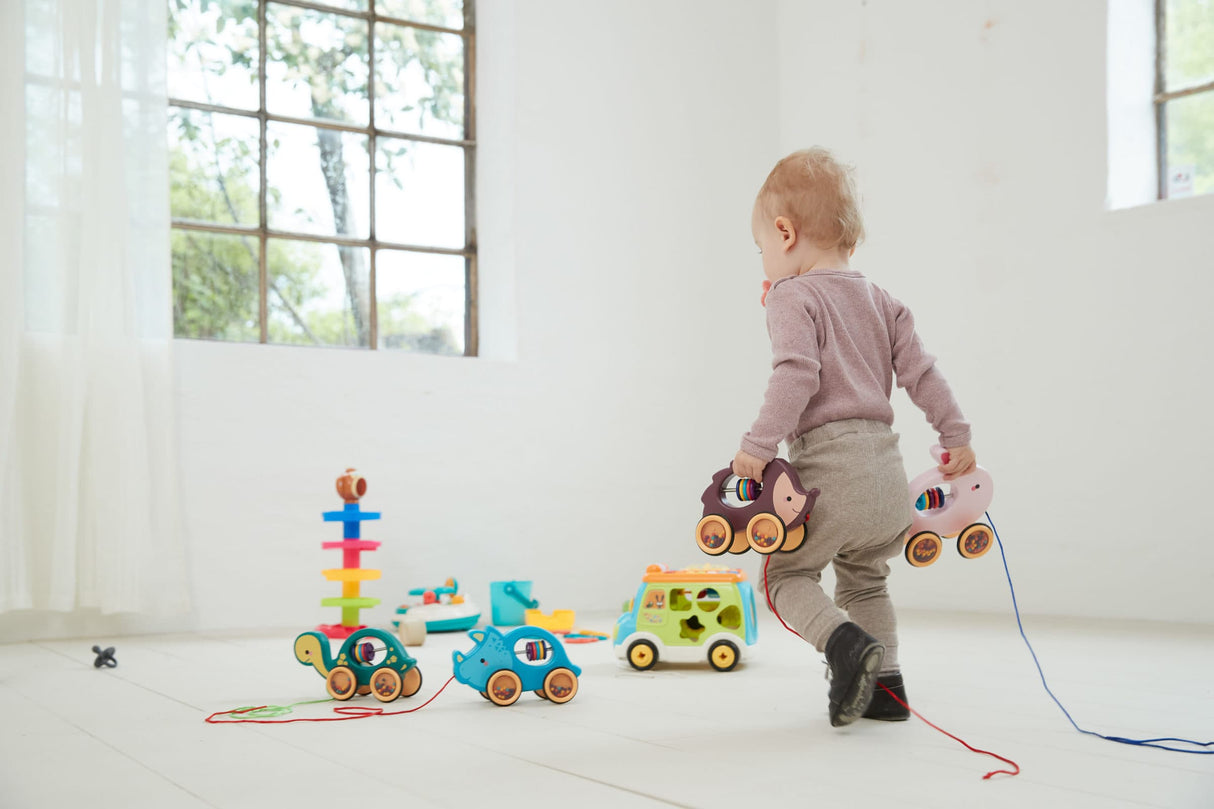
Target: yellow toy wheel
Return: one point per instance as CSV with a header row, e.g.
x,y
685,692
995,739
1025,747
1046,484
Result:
x,y
765,533
386,684
504,687
642,655
341,683
411,682
723,655
923,548
975,541
714,535
794,538
560,685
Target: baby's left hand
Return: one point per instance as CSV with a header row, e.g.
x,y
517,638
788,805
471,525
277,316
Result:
x,y
746,465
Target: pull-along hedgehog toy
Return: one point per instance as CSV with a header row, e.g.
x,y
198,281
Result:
x,y
741,514
948,508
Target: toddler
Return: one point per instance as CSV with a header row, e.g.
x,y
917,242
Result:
x,y
838,343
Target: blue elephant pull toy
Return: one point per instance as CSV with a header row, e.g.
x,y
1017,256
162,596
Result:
x,y
369,662
501,667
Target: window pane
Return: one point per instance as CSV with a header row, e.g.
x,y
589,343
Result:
x,y
349,5
317,181
1190,43
419,193
316,65
419,81
215,290
213,167
420,301
213,52
1190,138
318,294
447,13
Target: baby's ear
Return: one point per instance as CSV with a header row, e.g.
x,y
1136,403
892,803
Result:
x,y
787,231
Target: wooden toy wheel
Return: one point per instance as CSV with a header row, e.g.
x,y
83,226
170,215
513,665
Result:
x,y
642,655
975,541
504,687
794,538
714,535
411,682
341,683
560,685
765,533
386,684
923,548
723,655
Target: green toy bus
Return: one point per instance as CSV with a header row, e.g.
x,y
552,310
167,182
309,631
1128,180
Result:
x,y
689,615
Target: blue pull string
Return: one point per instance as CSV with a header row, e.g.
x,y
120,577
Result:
x,y
1119,739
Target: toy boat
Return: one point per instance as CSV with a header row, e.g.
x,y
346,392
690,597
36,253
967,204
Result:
x,y
442,608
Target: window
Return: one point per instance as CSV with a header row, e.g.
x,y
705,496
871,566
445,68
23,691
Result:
x,y
1184,96
322,172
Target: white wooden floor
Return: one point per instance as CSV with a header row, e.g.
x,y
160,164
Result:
x,y
134,736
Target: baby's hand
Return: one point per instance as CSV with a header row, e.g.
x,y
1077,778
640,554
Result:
x,y
961,461
746,465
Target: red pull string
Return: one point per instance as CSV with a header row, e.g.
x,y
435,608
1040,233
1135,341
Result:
x,y
348,711
967,745
932,725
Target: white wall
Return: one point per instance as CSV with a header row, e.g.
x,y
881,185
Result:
x,y
621,147
621,144
1078,339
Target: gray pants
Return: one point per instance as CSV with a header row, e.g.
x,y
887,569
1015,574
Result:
x,y
859,521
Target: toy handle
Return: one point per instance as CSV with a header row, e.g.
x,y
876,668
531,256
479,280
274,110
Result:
x,y
529,603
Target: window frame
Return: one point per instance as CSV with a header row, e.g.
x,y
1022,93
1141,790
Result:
x,y
373,244
1163,95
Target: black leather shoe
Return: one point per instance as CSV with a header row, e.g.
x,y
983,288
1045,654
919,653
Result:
x,y
885,707
854,658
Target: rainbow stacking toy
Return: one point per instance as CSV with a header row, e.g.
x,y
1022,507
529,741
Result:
x,y
351,486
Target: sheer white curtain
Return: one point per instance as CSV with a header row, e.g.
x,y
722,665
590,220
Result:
x,y
88,483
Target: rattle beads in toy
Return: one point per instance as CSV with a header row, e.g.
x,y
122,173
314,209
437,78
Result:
x,y
742,514
948,509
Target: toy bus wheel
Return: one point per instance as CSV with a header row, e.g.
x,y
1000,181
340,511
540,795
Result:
x,y
765,533
504,687
642,655
386,684
923,549
560,685
714,534
974,541
723,655
341,683
411,682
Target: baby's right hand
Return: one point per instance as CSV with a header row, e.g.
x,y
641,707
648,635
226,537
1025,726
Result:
x,y
961,461
746,465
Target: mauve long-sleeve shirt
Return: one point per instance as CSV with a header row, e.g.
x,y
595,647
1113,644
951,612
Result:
x,y
838,342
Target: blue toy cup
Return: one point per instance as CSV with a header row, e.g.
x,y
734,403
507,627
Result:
x,y
509,599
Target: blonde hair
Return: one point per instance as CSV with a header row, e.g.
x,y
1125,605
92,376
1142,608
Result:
x,y
818,195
